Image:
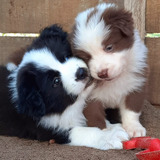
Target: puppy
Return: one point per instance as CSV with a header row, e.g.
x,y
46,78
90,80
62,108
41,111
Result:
x,y
104,37
49,88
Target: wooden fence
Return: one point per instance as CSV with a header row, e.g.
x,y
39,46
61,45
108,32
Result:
x,y
153,44
29,16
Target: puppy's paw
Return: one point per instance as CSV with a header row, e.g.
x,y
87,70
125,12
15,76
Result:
x,y
114,137
135,129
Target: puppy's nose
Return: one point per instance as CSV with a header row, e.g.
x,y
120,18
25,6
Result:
x,y
81,73
103,74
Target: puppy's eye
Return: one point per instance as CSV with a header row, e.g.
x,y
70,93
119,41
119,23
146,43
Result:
x,y
109,48
56,81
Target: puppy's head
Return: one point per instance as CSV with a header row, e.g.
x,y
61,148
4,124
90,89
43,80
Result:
x,y
49,78
102,36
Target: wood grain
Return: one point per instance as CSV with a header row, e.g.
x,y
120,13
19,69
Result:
x,y
153,45
137,7
26,16
9,45
153,16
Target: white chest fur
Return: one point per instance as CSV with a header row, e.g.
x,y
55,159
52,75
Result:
x,y
112,93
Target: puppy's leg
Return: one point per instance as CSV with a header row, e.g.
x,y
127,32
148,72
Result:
x,y
101,139
130,112
95,114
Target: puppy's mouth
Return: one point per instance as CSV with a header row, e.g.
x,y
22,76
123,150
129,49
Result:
x,y
109,79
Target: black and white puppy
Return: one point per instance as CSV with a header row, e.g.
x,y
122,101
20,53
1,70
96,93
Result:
x,y
49,88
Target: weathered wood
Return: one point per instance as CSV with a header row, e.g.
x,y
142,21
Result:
x,y
137,7
9,45
153,16
26,16
153,45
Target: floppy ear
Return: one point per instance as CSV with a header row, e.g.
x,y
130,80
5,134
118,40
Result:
x,y
30,101
125,23
119,18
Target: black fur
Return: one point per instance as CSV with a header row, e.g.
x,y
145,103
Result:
x,y
40,92
53,38
20,125
37,94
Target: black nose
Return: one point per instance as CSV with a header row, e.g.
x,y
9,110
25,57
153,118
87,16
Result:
x,y
81,73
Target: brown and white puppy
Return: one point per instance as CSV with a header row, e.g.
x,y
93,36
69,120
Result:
x,y
105,38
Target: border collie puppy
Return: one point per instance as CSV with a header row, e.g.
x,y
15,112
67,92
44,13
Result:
x,y
104,37
49,88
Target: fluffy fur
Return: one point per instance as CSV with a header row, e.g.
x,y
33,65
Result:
x,y
104,37
49,88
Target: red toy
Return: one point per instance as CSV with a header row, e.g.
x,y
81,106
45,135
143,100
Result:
x,y
152,146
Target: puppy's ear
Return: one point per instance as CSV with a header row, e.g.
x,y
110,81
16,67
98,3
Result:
x,y
53,31
30,101
119,18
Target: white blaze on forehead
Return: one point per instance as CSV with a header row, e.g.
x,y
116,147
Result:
x,y
42,57
90,32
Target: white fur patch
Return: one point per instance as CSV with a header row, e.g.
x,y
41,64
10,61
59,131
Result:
x,y
84,37
110,138
131,124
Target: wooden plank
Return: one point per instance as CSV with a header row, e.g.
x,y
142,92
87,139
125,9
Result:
x,y
137,7
9,45
153,45
26,16
153,16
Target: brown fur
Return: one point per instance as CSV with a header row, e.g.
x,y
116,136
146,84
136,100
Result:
x,y
95,114
121,26
119,18
135,100
17,56
83,55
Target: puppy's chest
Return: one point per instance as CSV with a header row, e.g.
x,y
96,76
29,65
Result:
x,y
111,97
112,94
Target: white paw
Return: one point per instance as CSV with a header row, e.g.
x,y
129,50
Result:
x,y
135,129
96,138
114,136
